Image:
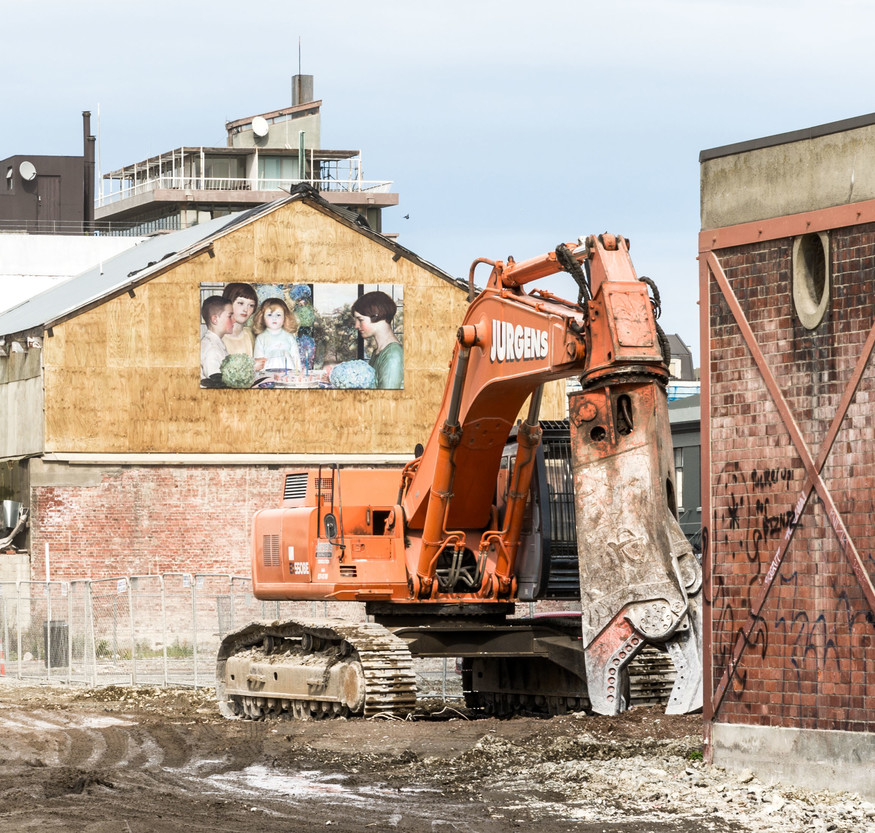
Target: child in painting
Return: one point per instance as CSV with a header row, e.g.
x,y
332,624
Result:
x,y
243,302
216,312
275,340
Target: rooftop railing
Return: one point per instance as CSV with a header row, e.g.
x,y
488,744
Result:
x,y
210,183
94,228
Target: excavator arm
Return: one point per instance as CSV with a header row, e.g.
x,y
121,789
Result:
x,y
639,577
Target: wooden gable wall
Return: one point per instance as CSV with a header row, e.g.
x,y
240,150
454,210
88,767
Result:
x,y
124,376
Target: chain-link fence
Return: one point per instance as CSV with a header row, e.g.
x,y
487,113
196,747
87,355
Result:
x,y
148,630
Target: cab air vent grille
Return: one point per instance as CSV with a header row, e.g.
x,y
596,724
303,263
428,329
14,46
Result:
x,y
271,550
296,486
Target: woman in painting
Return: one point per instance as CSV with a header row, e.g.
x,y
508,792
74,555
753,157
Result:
x,y
373,314
243,303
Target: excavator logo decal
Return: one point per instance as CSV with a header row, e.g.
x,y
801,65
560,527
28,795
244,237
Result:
x,y
516,343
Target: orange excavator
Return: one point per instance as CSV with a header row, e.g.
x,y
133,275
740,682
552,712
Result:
x,y
442,550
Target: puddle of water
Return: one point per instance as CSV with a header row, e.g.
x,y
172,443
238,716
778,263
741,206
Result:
x,y
257,780
99,722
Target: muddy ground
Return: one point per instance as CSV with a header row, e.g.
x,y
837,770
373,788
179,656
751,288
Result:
x,y
122,760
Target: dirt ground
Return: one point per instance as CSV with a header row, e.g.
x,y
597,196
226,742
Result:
x,y
130,760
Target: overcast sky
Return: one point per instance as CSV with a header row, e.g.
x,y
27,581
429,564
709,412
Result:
x,y
507,127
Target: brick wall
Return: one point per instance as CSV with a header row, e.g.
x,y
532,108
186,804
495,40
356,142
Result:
x,y
808,659
152,519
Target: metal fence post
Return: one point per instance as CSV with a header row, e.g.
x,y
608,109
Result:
x,y
130,583
69,630
47,592
115,653
163,625
89,629
231,625
5,631
194,625
18,623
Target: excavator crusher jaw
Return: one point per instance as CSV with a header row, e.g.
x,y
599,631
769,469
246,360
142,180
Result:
x,y
640,581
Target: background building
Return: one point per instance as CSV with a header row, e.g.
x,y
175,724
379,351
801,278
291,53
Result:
x,y
684,417
49,194
787,258
266,153
130,464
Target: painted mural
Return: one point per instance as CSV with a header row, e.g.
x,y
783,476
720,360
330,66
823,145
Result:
x,y
302,336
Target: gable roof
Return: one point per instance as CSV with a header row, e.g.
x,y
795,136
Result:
x,y
138,264
115,275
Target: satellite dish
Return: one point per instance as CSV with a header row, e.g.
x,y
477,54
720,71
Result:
x,y
260,126
27,171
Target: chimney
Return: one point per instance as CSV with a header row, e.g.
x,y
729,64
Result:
x,y
302,89
88,174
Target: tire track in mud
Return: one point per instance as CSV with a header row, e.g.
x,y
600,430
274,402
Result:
x,y
190,772
62,740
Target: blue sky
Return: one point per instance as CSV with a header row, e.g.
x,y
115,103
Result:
x,y
507,127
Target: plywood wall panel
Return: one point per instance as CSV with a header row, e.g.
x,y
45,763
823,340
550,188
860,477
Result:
x,y
124,376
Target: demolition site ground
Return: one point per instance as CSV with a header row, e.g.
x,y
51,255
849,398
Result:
x,y
130,760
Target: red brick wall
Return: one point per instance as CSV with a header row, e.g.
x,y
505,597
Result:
x,y
152,519
808,660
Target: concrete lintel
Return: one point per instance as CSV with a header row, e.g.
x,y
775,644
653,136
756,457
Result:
x,y
96,459
764,182
58,473
814,758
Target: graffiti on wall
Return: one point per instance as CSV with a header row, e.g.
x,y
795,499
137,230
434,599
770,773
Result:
x,y
811,635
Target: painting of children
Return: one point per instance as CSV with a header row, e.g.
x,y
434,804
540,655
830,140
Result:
x,y
303,335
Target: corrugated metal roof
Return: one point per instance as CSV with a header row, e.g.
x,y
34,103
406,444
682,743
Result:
x,y
135,265
124,270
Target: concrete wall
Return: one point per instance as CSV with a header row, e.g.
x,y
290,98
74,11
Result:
x,y
789,174
14,567
284,134
810,759
21,403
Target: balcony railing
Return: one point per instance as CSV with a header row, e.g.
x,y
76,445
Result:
x,y
211,183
